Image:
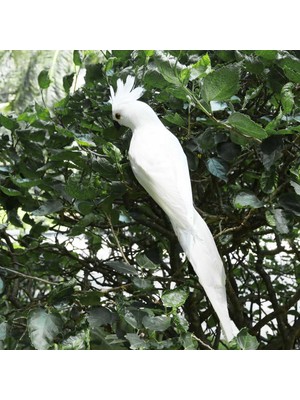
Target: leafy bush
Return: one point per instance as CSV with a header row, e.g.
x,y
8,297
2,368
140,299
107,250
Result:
x,y
89,261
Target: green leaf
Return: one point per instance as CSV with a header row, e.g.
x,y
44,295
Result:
x,y
85,140
246,341
278,218
121,55
169,67
61,292
159,323
2,287
274,123
77,60
61,155
25,182
43,328
93,74
281,222
68,82
201,68
188,342
121,267
105,168
239,139
287,97
109,64
3,330
291,68
294,76
184,76
130,319
106,341
271,151
42,113
246,200
174,298
290,202
246,126
10,192
118,189
253,64
85,208
134,317
88,298
228,151
296,186
76,342
44,80
153,79
180,322
175,119
144,262
142,283
179,92
100,316
218,168
149,53
112,151
267,54
205,141
49,207
8,123
136,343
221,84
80,191
269,180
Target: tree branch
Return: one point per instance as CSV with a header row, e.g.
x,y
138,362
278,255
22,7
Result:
x,y
28,276
272,294
280,310
236,228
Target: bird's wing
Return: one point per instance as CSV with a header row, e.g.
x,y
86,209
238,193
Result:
x,y
160,165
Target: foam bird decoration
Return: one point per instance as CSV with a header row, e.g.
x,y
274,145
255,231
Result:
x,y
160,166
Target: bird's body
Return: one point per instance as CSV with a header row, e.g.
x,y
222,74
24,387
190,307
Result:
x,y
160,166
153,150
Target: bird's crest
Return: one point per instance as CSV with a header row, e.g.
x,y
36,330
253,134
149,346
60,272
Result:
x,y
124,93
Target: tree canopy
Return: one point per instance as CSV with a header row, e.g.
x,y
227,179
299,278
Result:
x,y
88,260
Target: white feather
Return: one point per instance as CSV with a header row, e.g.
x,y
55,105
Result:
x,y
124,93
160,165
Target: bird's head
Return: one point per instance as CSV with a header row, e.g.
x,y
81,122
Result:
x,y
126,109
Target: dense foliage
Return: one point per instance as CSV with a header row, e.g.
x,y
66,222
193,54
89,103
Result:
x,y
89,261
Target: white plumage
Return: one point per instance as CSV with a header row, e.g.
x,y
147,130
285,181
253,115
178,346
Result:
x,y
160,165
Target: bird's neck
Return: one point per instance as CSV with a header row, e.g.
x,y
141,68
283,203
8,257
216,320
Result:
x,y
143,116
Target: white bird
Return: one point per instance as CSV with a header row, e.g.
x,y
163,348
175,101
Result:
x,y
160,166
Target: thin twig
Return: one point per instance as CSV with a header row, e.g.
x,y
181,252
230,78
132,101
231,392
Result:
x,y
117,240
200,341
114,289
28,276
235,228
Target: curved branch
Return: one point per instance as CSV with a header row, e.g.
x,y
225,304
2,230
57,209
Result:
x,y
280,310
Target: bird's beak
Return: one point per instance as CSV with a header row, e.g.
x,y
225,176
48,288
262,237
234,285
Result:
x,y
117,125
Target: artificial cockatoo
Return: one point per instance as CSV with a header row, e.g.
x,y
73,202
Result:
x,y
160,166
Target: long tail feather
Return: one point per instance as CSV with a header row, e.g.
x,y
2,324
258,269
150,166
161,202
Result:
x,y
200,248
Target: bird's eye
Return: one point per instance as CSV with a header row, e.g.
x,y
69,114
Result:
x,y
118,116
